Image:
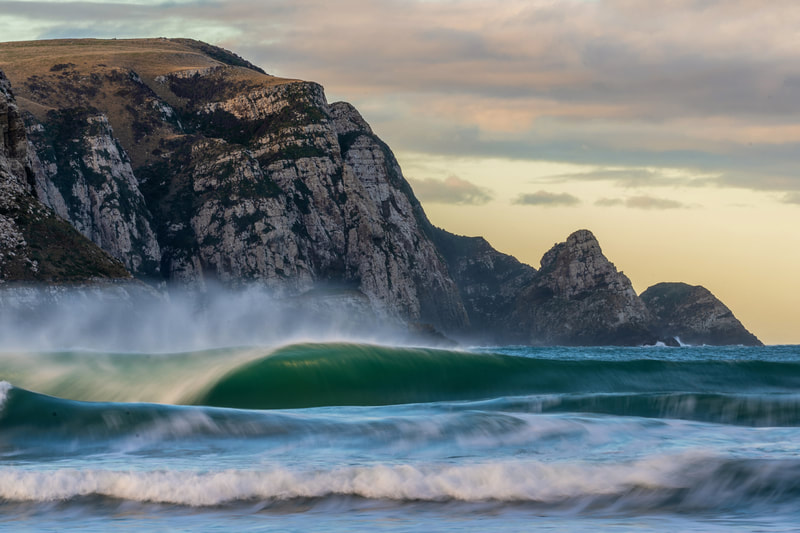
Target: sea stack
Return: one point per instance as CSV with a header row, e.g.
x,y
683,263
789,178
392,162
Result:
x,y
579,298
694,316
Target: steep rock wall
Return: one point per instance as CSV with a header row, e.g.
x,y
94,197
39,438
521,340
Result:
x,y
197,168
579,297
88,181
35,244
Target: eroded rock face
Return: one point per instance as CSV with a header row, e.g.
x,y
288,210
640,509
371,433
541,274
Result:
x,y
35,244
313,198
694,316
579,298
88,180
234,177
489,283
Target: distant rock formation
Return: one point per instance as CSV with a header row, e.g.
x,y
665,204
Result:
x,y
694,315
489,283
579,297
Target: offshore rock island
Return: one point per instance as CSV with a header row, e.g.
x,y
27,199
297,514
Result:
x,y
171,162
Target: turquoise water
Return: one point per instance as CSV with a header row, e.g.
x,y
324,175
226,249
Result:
x,y
342,437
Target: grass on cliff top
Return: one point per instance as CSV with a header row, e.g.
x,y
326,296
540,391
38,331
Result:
x,y
95,73
148,57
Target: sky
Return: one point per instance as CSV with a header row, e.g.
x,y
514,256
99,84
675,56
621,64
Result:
x,y
669,129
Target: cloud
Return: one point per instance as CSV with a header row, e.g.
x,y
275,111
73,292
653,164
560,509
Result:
x,y
623,177
641,202
791,198
451,190
710,87
544,198
609,202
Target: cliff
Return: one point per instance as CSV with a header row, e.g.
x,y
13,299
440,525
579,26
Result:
x,y
35,244
190,165
489,284
579,297
694,315
193,167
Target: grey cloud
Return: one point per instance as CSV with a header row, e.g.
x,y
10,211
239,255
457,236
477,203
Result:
x,y
452,190
609,202
767,167
628,63
625,177
791,198
544,198
641,202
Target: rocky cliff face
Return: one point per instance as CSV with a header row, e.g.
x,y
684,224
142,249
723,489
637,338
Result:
x,y
489,283
694,315
35,244
579,297
191,166
89,182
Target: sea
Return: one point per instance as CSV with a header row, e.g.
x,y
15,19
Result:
x,y
369,436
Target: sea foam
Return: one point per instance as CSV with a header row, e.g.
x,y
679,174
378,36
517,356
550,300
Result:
x,y
697,480
5,386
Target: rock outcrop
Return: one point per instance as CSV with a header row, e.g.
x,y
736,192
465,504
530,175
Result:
x,y
489,282
692,315
579,297
89,182
35,244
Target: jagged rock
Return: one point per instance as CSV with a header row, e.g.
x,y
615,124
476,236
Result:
x,y
579,298
35,244
489,283
89,182
694,316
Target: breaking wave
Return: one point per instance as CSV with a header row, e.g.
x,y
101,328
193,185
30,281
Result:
x,y
691,481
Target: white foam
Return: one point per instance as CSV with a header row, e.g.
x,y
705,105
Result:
x,y
5,386
681,344
508,481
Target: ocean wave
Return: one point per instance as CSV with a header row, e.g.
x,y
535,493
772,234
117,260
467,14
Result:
x,y
342,374
691,481
748,392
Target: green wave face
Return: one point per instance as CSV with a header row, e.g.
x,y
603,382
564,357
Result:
x,y
739,392
347,374
310,375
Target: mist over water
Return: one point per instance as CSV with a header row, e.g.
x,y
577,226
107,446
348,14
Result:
x,y
238,410
139,319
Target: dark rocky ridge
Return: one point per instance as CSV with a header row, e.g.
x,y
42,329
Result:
x,y
694,315
192,166
489,283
